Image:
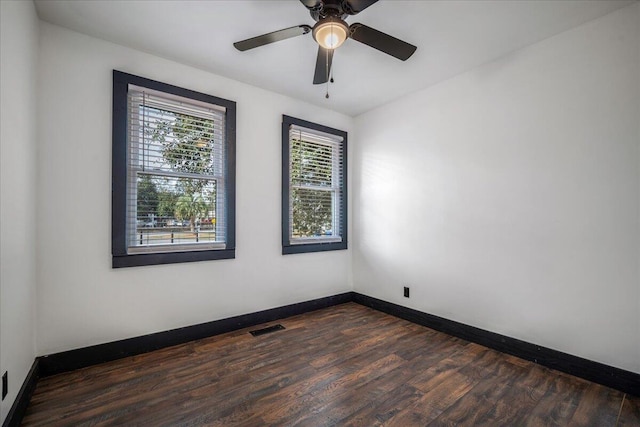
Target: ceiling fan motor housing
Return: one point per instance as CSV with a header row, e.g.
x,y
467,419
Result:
x,y
335,8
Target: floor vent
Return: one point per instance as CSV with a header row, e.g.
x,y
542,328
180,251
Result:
x,y
267,330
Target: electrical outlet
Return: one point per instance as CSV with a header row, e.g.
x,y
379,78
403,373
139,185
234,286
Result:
x,y
406,292
5,384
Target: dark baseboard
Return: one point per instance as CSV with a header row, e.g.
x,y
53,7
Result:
x,y
19,407
625,381
79,358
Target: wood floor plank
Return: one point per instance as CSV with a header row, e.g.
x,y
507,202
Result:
x,y
320,402
380,411
344,365
597,407
446,391
476,402
630,412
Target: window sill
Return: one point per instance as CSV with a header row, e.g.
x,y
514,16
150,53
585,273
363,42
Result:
x,y
137,260
313,247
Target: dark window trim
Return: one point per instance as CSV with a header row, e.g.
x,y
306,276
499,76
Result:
x,y
120,258
287,247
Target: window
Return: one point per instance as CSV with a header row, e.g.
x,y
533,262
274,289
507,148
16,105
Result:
x,y
173,195
314,187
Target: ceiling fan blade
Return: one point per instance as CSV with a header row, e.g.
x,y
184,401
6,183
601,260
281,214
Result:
x,y
311,4
353,7
273,37
323,65
381,41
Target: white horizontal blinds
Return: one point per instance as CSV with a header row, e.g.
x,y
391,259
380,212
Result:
x,y
316,174
176,179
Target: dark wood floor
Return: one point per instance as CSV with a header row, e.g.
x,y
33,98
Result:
x,y
346,365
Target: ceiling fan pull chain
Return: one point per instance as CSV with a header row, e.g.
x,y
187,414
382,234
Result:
x,y
327,67
329,70
331,79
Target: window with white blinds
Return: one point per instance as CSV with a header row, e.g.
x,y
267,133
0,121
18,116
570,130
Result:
x,y
315,215
176,188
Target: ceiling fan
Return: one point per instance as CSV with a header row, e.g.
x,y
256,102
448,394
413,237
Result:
x,y
330,31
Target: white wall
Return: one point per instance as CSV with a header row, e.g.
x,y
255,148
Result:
x,y
508,197
18,60
81,299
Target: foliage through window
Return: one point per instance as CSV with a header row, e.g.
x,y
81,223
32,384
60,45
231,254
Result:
x,y
314,187
174,174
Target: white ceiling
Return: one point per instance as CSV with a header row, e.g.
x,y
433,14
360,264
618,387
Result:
x,y
452,37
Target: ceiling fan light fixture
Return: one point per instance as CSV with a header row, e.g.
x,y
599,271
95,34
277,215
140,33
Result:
x,y
330,33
